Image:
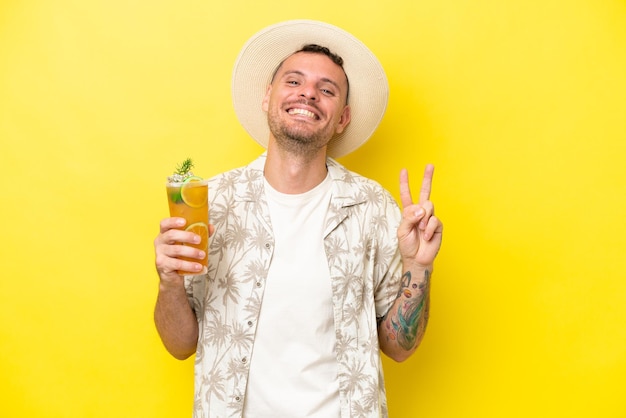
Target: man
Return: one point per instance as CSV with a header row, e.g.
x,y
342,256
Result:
x,y
313,269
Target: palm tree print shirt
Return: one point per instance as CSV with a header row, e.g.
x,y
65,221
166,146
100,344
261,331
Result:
x,y
365,268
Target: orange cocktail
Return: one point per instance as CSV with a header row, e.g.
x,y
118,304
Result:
x,y
189,200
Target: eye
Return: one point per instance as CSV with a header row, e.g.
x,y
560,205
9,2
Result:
x,y
328,92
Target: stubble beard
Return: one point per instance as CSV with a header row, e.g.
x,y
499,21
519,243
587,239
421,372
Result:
x,y
295,140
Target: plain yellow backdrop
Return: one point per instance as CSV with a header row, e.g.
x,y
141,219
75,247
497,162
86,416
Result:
x,y
520,104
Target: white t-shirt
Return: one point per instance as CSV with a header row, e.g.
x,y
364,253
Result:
x,y
293,370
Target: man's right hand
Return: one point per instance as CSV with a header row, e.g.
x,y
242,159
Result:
x,y
168,246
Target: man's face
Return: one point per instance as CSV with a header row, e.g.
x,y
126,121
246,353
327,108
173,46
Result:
x,y
306,102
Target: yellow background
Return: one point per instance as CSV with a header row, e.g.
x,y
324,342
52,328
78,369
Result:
x,y
520,104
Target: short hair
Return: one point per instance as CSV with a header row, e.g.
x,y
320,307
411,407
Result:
x,y
318,49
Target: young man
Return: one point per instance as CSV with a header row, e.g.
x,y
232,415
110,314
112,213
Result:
x,y
313,269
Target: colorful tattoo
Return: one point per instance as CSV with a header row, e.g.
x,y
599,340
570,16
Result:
x,y
408,324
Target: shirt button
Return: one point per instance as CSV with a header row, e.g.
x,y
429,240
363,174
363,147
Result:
x,y
258,284
267,246
244,360
249,323
237,398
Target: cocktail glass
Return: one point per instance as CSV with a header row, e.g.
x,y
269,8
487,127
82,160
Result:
x,y
189,200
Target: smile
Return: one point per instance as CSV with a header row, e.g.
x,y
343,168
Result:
x,y
303,112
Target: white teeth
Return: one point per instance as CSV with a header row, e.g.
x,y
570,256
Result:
x,y
302,112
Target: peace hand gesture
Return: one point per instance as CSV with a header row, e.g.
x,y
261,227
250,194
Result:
x,y
420,231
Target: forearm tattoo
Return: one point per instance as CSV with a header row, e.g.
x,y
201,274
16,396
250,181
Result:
x,y
407,324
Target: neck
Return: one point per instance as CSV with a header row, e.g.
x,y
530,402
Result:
x,y
294,174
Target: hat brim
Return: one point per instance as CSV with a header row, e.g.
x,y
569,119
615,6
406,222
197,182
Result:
x,y
259,57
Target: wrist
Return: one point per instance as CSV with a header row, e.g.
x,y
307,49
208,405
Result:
x,y
171,284
418,270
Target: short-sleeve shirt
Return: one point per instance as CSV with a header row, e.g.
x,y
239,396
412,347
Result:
x,y
361,247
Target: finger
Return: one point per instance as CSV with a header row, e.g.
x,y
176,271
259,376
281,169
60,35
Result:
x,y
411,216
176,236
169,266
429,210
169,257
405,190
426,183
433,227
178,251
171,223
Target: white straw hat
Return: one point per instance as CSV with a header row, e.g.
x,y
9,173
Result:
x,y
263,52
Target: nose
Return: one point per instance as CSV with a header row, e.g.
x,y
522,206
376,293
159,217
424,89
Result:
x,y
309,91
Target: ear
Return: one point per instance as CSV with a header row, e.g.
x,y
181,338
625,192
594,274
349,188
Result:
x,y
344,119
265,104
